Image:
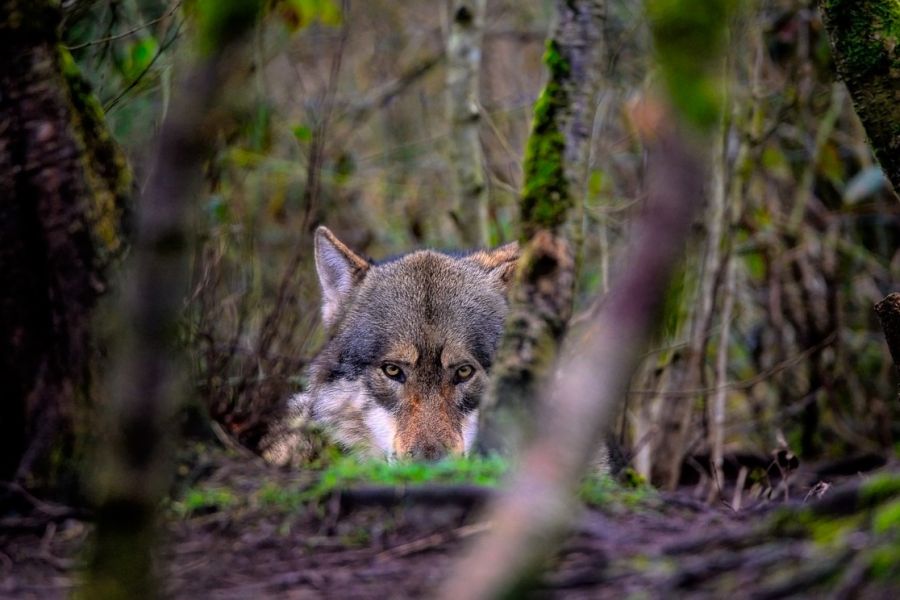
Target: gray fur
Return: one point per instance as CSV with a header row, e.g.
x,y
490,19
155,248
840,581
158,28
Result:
x,y
430,314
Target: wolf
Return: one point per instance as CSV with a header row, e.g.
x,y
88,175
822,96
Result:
x,y
410,344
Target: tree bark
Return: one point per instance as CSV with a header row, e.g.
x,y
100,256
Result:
x,y
555,165
865,39
466,156
888,311
64,184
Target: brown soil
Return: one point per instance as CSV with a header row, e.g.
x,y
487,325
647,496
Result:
x,y
381,543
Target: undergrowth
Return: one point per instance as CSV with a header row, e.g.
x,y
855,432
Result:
x,y
346,472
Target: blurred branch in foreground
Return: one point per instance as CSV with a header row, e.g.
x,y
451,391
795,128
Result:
x,y
133,469
539,502
529,520
696,84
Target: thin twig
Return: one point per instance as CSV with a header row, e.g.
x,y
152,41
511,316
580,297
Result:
x,y
433,540
112,103
747,383
358,111
130,32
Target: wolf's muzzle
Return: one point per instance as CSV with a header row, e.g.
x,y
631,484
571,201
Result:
x,y
428,452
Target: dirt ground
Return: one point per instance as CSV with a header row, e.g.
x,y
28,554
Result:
x,y
372,542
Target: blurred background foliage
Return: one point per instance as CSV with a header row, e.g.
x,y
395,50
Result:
x,y
342,122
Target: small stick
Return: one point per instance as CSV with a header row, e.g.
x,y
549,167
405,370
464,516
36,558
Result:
x,y
433,540
739,489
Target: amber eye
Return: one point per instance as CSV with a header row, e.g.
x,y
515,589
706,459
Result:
x,y
464,372
393,371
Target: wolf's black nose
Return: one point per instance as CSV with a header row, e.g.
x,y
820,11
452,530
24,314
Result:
x,y
428,452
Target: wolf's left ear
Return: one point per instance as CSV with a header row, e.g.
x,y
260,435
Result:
x,y
339,270
500,262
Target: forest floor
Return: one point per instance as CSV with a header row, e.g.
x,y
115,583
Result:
x,y
240,529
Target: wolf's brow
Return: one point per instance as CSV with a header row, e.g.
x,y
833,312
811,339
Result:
x,y
403,352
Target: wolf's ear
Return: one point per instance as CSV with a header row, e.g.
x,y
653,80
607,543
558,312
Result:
x,y
500,262
339,270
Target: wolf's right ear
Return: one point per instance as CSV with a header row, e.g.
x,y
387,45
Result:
x,y
500,262
339,270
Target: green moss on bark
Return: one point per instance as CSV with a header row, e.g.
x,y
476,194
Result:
x,y
870,32
865,38
546,198
105,167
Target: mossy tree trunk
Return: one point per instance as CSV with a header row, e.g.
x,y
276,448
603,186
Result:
x,y
63,184
865,38
888,311
555,168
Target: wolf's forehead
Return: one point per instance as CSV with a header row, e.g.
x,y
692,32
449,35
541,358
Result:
x,y
426,281
430,301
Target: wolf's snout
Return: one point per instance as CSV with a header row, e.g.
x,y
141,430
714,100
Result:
x,y
428,452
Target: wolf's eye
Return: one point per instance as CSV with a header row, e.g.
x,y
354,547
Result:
x,y
393,371
464,372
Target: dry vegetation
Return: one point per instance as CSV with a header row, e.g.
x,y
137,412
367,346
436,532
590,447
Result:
x,y
767,390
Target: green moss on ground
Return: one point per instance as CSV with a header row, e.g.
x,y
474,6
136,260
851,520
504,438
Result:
x,y
280,495
880,487
202,500
348,471
886,519
630,491
875,519
884,562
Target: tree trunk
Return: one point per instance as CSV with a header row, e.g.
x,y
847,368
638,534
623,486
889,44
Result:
x,y
865,39
888,311
63,184
555,165
466,157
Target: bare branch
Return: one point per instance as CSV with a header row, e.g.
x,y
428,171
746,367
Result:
x,y
130,32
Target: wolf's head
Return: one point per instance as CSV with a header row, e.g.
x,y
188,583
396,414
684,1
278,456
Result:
x,y
411,342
